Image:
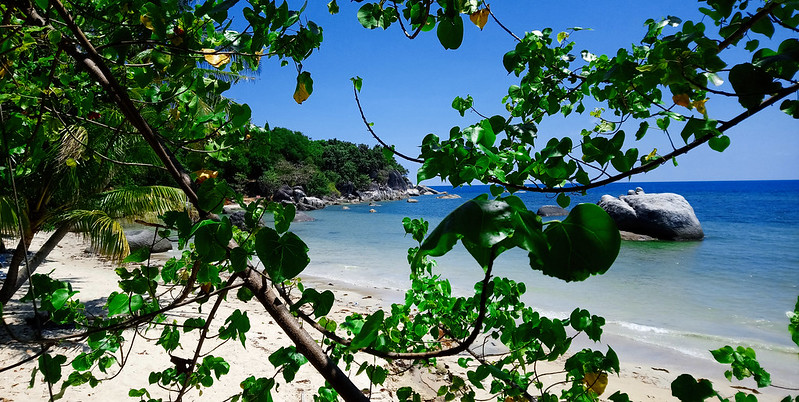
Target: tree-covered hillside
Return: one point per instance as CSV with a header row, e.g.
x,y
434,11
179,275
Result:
x,y
268,160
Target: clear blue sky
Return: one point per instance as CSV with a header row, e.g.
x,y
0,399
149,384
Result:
x,y
408,85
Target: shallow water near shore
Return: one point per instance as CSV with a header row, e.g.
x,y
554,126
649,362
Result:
x,y
665,302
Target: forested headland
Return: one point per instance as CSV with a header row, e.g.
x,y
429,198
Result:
x,y
268,159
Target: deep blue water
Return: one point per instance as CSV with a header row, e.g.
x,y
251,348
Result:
x,y
734,287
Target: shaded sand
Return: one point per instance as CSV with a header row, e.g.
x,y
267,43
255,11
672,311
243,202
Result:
x,y
95,279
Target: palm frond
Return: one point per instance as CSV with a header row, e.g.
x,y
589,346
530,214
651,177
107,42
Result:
x,y
226,76
141,201
103,232
8,217
72,146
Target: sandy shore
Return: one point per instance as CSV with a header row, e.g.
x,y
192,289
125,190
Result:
x,y
95,279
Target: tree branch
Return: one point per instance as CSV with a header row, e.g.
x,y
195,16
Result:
x,y
368,127
654,163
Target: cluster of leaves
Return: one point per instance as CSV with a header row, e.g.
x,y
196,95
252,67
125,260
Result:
x,y
633,84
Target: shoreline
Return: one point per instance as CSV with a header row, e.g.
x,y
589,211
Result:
x,y
641,378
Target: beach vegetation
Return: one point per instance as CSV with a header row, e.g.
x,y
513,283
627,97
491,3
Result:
x,y
135,72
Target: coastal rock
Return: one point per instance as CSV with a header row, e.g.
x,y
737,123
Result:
x,y
630,236
412,192
551,210
665,216
138,239
412,200
300,216
310,204
347,189
396,181
424,190
448,196
297,194
283,194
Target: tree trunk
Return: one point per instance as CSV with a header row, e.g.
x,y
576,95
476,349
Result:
x,y
12,274
34,262
304,342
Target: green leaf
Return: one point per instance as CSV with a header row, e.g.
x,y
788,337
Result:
x,y
118,304
450,32
791,107
481,224
369,15
357,82
719,143
642,128
244,294
284,257
139,255
699,128
584,244
321,302
368,332
332,7
50,366
564,200
462,105
54,37
751,84
236,325
723,355
793,326
763,26
688,389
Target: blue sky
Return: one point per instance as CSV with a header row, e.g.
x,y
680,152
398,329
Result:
x,y
408,85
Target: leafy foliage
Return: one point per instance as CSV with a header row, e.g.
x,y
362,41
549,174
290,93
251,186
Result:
x,y
162,70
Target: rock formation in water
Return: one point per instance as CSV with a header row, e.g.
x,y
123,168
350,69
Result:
x,y
664,216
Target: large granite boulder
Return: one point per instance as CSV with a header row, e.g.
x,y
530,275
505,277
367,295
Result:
x,y
310,204
665,216
138,239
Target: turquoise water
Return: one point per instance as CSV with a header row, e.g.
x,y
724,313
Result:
x,y
680,299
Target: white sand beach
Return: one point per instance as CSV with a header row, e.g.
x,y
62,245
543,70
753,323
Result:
x,y
95,279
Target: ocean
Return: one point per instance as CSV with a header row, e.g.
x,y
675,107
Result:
x,y
667,302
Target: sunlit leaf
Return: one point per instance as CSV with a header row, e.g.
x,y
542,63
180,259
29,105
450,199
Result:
x,y
215,59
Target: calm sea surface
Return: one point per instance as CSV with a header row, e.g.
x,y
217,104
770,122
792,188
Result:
x,y
679,299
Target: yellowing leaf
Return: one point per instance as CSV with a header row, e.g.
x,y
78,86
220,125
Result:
x,y
215,59
301,94
651,155
174,113
205,174
682,100
480,18
304,87
596,382
148,23
700,106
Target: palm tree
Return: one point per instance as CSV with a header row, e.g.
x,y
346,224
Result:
x,y
65,192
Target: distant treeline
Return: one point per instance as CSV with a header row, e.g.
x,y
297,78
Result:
x,y
321,167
